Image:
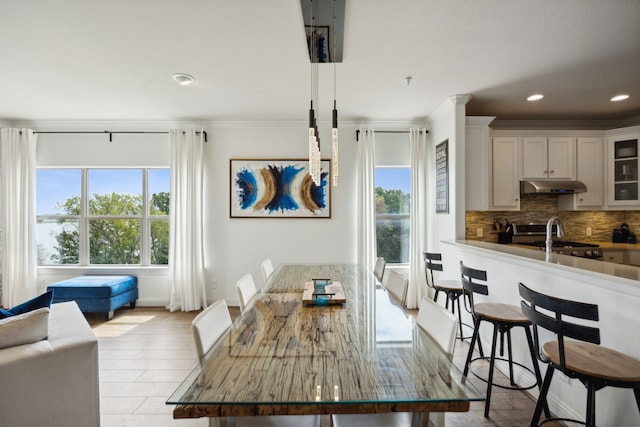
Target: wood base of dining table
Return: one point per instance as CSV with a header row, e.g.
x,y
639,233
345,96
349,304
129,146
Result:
x,y
200,411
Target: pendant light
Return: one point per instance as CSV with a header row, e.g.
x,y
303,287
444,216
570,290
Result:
x,y
334,114
314,137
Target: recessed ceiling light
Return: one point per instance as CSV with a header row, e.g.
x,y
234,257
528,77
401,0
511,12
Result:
x,y
535,97
183,79
620,97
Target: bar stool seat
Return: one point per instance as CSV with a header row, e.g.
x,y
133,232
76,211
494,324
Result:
x,y
448,285
595,361
499,312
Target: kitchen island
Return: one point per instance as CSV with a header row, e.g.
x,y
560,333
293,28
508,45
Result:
x,y
614,287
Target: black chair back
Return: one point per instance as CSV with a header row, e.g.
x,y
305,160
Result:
x,y
430,266
470,278
550,312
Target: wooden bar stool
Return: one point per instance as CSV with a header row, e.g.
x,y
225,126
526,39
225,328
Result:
x,y
580,357
504,317
451,288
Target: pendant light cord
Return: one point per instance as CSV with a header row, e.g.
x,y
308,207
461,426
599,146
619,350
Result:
x,y
335,58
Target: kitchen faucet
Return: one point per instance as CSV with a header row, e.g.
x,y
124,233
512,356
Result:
x,y
560,232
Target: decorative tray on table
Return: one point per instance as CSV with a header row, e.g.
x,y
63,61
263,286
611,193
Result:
x,y
322,292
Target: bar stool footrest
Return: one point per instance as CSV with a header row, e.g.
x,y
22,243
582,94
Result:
x,y
509,387
467,337
564,420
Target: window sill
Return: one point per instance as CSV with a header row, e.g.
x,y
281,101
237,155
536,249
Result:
x,y
106,269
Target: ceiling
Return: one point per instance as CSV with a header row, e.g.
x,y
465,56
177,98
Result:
x,y
113,59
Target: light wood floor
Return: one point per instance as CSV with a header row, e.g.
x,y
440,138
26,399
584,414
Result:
x,y
146,353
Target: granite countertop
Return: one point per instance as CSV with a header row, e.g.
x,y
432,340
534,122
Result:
x,y
603,245
622,246
623,274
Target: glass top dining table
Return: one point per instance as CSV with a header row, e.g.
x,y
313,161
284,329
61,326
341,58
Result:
x,y
285,358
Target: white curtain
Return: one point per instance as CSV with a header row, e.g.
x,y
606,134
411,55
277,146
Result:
x,y
186,248
366,200
418,215
19,256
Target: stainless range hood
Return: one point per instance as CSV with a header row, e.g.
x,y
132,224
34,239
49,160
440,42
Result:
x,y
552,187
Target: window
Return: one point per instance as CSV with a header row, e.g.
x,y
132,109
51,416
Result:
x,y
102,216
392,213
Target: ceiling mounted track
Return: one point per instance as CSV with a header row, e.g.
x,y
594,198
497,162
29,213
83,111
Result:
x,y
324,29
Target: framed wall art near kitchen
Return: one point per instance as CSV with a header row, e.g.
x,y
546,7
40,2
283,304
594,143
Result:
x,y
318,43
442,177
278,188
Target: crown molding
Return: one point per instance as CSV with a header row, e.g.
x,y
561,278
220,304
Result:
x,y
632,121
165,125
97,125
479,120
386,124
460,99
562,124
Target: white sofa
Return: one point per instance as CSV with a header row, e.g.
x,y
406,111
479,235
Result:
x,y
53,382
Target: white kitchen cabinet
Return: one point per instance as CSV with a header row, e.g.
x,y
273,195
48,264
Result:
x,y
633,257
613,255
548,157
589,170
622,171
505,174
478,164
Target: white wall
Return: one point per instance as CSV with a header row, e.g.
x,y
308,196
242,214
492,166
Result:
x,y
392,149
233,247
448,123
95,150
236,246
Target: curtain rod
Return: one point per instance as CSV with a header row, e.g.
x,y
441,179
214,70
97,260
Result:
x,y
386,131
110,133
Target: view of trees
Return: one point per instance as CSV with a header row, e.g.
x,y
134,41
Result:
x,y
159,229
392,225
114,241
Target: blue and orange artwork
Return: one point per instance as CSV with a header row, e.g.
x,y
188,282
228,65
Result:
x,y
278,188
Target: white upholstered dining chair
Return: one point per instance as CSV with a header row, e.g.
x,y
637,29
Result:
x,y
266,267
246,289
397,286
378,269
207,328
439,323
441,326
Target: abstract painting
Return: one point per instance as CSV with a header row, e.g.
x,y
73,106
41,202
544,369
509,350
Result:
x,y
279,188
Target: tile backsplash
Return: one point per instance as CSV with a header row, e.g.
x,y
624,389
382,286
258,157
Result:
x,y
539,208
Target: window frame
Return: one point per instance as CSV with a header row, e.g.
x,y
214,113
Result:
x,y
144,220
393,216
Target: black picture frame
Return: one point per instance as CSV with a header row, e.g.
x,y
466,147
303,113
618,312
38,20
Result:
x,y
442,177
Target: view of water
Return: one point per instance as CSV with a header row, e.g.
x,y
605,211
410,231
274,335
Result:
x,y
46,232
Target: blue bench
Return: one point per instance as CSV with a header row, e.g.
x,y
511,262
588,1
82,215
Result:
x,y
97,294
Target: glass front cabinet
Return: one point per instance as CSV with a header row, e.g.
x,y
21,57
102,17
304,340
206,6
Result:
x,y
623,170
